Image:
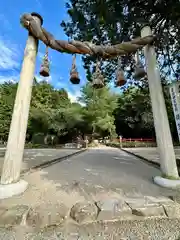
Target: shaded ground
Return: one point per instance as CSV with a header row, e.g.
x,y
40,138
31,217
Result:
x,y
106,171
151,153
34,157
95,174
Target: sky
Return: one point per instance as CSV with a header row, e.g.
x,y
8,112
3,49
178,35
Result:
x,y
13,40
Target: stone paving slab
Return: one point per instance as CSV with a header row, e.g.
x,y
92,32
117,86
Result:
x,y
38,157
110,209
45,203
151,153
48,214
54,222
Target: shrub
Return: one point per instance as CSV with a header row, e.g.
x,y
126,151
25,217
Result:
x,y
31,145
38,138
132,144
93,144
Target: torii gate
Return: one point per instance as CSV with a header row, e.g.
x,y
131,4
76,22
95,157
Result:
x,y
10,177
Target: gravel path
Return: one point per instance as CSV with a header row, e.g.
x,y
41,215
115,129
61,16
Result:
x,y
106,171
95,174
34,157
159,229
151,153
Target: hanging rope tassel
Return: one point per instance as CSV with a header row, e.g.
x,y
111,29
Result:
x,y
139,69
120,78
74,76
97,78
45,67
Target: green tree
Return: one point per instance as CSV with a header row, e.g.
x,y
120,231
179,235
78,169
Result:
x,y
102,112
114,21
46,104
7,96
99,106
133,114
51,111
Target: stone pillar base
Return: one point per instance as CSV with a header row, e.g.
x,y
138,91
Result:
x,y
167,183
10,190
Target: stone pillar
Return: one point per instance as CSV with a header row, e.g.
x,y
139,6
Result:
x,y
161,123
17,134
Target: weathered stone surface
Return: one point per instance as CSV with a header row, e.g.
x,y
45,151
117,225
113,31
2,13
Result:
x,y
160,200
138,202
148,211
84,212
46,215
147,206
113,209
172,210
176,198
13,215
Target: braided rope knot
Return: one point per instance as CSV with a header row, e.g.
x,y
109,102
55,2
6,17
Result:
x,y
104,51
25,20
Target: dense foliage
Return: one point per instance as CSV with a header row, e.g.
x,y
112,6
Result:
x,y
114,21
101,113
52,112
